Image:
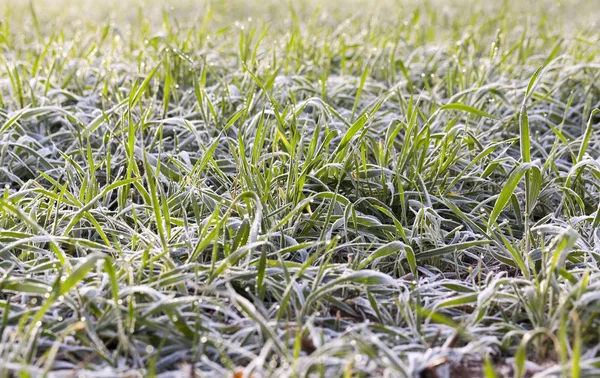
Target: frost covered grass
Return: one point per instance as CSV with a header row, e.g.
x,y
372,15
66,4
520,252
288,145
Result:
x,y
388,188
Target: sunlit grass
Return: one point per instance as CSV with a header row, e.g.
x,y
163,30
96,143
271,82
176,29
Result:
x,y
263,189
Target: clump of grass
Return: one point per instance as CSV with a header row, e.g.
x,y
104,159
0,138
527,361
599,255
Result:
x,y
303,190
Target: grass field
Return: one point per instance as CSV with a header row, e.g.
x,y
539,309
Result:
x,y
299,189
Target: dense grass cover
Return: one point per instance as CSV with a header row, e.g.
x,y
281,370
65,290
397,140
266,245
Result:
x,y
389,188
